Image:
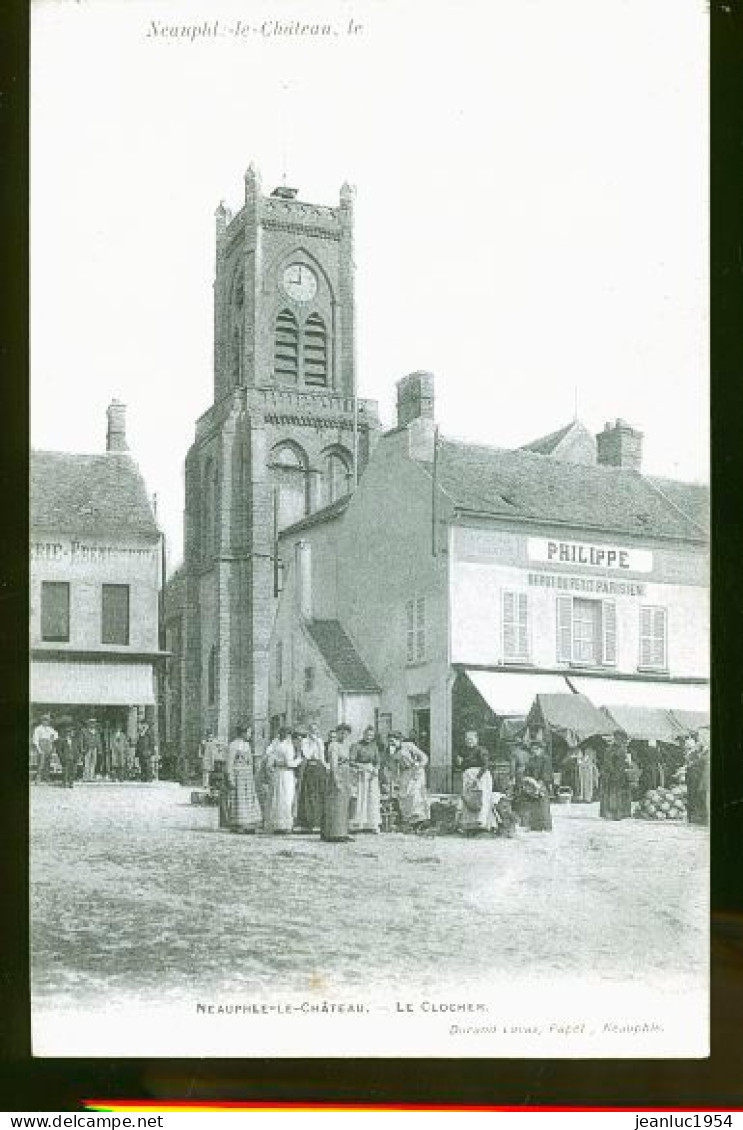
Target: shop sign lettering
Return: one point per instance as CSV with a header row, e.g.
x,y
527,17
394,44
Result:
x,y
597,585
76,551
552,551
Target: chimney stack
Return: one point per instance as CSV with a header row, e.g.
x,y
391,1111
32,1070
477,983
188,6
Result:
x,y
116,432
415,398
619,445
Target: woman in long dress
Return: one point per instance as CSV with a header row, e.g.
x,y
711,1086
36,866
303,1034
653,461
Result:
x,y
311,780
413,795
588,776
616,795
477,799
280,762
364,761
243,808
334,826
533,803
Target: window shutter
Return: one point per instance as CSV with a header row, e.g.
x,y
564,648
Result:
x,y
523,625
410,630
509,625
564,629
659,633
609,651
420,636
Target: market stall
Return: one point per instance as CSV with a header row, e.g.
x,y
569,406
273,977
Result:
x,y
566,722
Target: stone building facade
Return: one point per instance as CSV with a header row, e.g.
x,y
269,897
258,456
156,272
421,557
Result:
x,y
94,586
496,576
284,436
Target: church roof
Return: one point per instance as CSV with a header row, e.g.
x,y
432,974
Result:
x,y
522,485
547,445
341,657
333,510
96,495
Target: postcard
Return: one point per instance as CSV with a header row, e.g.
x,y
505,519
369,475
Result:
x,y
369,529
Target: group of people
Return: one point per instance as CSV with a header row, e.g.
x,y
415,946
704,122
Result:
x,y
84,753
308,783
624,777
611,774
524,800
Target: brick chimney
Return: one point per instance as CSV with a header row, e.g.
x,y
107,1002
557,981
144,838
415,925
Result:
x,y
619,445
414,398
116,433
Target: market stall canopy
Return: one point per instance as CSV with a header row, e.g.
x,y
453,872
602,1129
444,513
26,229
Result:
x,y
641,692
512,692
692,721
96,684
645,723
571,716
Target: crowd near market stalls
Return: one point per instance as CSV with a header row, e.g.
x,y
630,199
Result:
x,y
338,573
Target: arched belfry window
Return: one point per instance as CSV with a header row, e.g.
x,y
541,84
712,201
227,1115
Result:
x,y
315,352
290,478
336,478
286,347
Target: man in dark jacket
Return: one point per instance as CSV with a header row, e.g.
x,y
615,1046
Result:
x,y
145,751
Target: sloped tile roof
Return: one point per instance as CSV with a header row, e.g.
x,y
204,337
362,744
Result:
x,y
89,494
333,510
341,657
692,498
545,445
525,486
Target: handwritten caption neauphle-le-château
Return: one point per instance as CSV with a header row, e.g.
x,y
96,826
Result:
x,y
204,30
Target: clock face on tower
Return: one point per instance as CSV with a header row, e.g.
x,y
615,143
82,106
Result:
x,y
299,282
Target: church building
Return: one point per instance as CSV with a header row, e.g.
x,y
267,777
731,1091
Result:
x,y
285,436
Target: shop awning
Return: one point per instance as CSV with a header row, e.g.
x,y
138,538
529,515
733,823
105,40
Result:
x,y
512,692
628,692
645,723
570,715
691,721
92,683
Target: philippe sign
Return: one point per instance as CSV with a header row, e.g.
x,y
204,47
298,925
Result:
x,y
572,553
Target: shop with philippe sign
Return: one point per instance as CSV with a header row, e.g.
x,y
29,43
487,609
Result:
x,y
620,558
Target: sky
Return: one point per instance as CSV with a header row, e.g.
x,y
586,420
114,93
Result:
x,y
531,211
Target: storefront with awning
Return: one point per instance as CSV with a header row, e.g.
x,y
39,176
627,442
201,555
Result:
x,y
92,683
675,696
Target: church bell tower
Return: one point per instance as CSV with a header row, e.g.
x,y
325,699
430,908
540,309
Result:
x,y
284,437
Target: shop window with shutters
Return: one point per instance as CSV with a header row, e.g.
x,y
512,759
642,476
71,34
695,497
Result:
x,y
115,614
515,610
586,632
315,352
286,348
415,629
55,611
653,639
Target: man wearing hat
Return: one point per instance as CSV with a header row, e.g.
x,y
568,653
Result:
x,y
91,745
67,750
145,751
42,740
